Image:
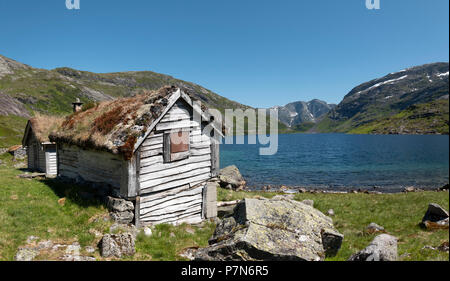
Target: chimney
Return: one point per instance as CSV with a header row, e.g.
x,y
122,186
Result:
x,y
77,105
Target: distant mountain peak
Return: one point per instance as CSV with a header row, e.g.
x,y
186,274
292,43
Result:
x,y
299,112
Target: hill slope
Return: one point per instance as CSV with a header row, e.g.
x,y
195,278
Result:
x,y
377,100
25,90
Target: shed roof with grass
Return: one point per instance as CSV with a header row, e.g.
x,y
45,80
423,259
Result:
x,y
148,149
41,152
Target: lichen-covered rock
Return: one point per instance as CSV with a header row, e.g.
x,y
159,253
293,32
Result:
x,y
119,205
26,254
122,217
121,210
273,230
231,178
382,248
117,245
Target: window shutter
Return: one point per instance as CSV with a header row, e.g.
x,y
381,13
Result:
x,y
176,145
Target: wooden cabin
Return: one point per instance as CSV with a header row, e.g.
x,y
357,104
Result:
x,y
133,146
41,152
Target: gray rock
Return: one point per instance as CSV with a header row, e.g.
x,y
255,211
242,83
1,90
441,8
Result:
x,y
117,245
73,249
382,248
45,244
121,210
77,258
308,202
272,230
25,254
330,212
89,249
119,205
374,228
231,178
122,217
435,213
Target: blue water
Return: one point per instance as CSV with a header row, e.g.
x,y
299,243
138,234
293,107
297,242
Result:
x,y
342,162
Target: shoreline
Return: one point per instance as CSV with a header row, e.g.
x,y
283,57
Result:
x,y
344,189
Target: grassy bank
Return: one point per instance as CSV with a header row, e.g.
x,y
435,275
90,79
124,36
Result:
x,y
30,207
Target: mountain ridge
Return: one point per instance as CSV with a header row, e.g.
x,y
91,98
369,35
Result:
x,y
384,97
299,112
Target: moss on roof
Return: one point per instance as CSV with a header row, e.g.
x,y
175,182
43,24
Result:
x,y
42,125
115,125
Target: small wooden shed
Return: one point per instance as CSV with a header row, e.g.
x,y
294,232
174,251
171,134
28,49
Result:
x,y
133,145
41,152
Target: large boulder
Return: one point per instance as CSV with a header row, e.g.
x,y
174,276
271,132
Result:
x,y
231,178
382,248
117,245
280,229
436,217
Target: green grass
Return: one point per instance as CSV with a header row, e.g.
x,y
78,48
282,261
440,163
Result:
x,y
11,130
30,207
423,118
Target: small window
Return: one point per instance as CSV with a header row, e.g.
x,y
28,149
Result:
x,y
176,145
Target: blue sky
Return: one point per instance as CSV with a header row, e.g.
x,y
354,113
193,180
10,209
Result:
x,y
257,52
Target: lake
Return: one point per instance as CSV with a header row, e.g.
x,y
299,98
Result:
x,y
343,162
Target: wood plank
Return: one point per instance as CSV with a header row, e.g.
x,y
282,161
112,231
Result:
x,y
146,183
152,141
173,184
189,217
150,153
151,147
159,165
168,172
170,208
201,151
167,203
151,160
164,198
175,215
164,126
161,194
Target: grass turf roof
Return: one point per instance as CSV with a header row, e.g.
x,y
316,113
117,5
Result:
x,y
113,126
42,125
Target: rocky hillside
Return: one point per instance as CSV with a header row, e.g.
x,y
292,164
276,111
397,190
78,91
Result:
x,y
411,92
25,90
300,112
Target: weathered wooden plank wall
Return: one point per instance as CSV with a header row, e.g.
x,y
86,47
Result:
x,y
90,165
172,192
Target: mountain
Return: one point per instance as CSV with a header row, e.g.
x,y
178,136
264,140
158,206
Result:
x,y
411,101
300,112
25,90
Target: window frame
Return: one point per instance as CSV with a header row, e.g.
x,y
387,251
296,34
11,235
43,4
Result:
x,y
168,155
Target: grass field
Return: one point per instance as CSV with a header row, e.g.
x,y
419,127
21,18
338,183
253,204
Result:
x,y
30,207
